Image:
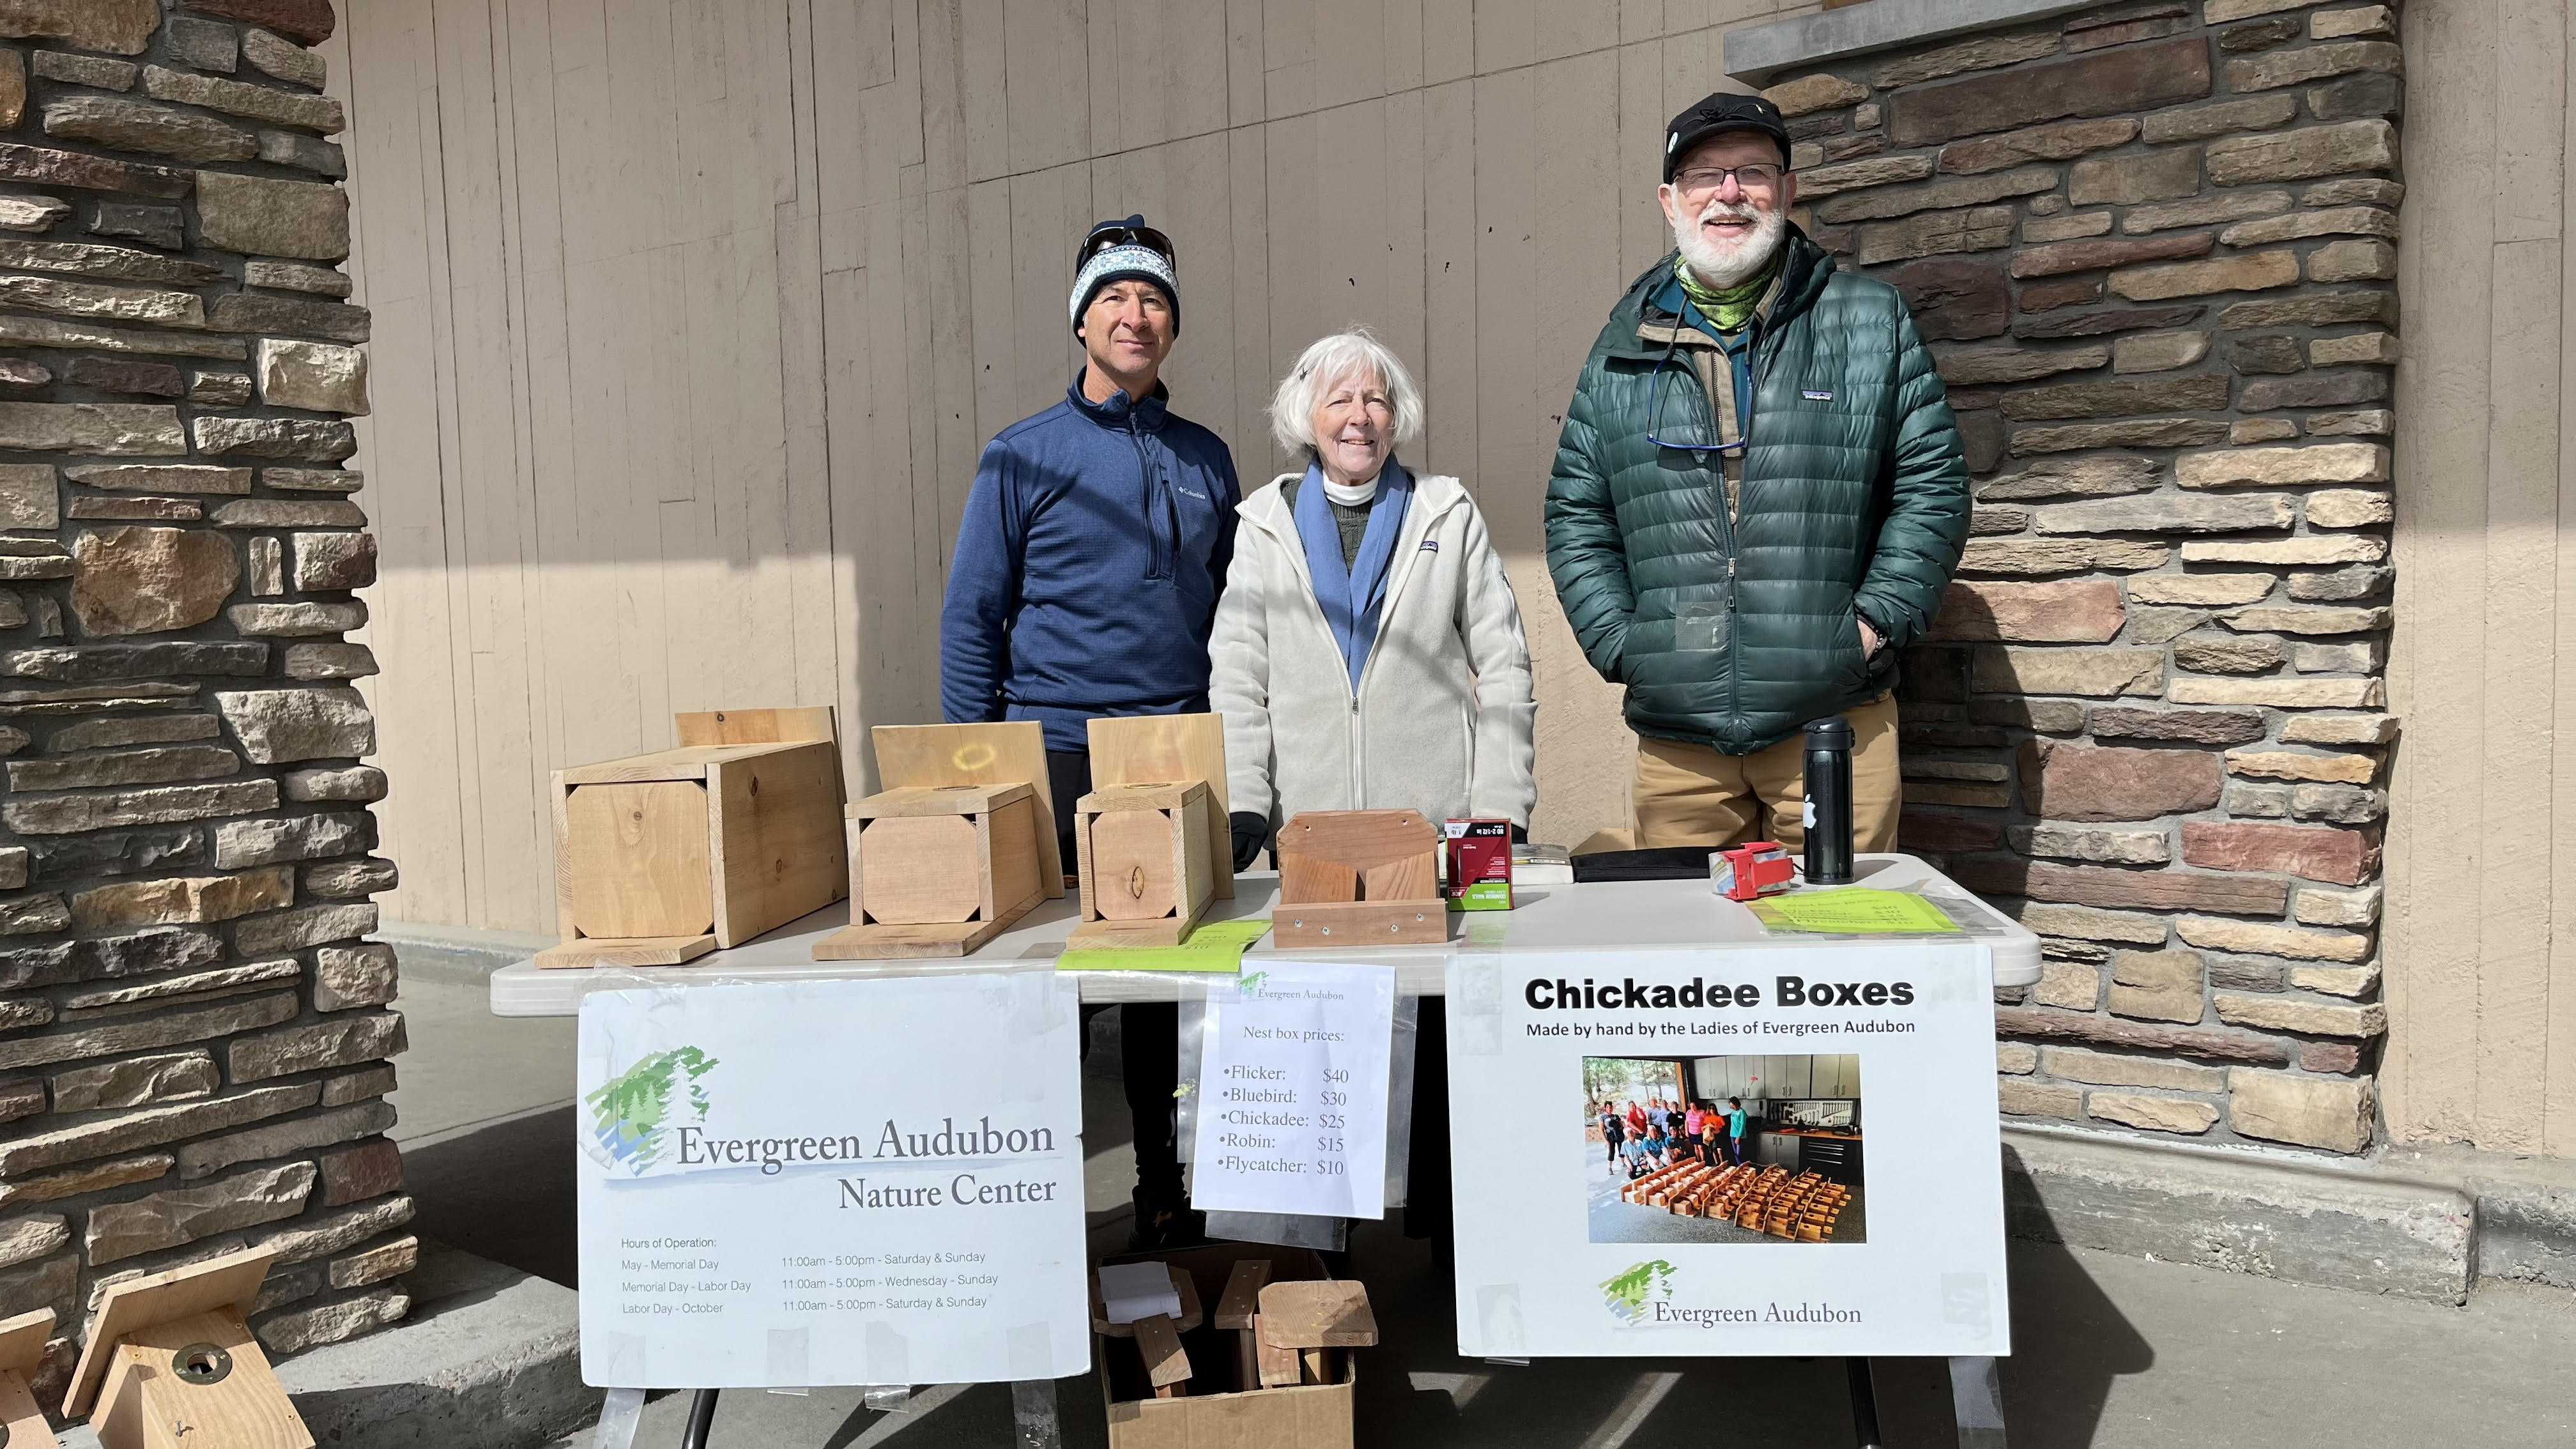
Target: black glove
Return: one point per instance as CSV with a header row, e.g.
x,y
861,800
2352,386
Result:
x,y
1251,833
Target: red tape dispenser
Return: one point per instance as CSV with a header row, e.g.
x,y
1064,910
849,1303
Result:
x,y
1754,869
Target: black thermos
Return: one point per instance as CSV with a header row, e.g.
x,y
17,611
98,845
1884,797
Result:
x,y
1829,802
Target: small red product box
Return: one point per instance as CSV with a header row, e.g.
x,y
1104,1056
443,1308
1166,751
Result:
x,y
1480,864
1753,869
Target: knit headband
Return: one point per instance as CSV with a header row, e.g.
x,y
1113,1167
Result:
x,y
1125,263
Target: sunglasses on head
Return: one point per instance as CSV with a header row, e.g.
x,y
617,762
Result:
x,y
1131,232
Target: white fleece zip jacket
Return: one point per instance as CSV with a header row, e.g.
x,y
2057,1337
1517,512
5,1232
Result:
x,y
1444,717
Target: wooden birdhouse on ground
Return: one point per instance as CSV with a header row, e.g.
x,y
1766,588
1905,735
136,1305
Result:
x,y
1303,1326
171,1362
22,1350
1359,878
1157,1337
662,858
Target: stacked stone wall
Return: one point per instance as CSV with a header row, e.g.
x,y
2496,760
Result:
x,y
2154,248
192,1032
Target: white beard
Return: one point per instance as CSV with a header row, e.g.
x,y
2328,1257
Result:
x,y
1718,264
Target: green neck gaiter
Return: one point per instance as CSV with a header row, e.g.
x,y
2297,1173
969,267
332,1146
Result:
x,y
1729,307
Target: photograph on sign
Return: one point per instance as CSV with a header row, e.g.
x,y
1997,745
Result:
x,y
1666,1152
832,1182
1687,1159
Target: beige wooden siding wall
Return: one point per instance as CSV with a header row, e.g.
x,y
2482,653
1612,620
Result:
x,y
2481,918
692,317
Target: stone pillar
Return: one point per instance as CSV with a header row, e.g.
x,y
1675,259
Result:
x,y
195,1034
2152,245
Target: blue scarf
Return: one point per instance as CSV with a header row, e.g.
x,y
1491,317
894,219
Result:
x,y
1352,596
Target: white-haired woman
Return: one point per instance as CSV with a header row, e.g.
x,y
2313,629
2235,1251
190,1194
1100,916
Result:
x,y
1368,652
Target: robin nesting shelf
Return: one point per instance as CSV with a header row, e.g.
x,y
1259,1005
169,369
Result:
x,y
1359,878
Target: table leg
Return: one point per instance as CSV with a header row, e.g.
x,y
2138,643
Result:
x,y
702,1419
1033,1411
1977,1401
1864,1405
619,1417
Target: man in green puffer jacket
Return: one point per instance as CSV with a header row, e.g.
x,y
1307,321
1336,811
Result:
x,y
1759,498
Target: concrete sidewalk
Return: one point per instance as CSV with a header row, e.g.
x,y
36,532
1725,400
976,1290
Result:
x,y
2116,1352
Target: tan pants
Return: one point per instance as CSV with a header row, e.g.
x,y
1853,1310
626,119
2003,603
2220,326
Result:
x,y
1692,795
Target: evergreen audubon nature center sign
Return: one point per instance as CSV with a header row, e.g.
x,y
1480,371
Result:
x,y
762,1205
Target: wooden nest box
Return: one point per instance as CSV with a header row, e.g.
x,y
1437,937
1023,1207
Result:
x,y
960,843
22,1351
1145,863
1301,1325
937,870
662,858
171,1363
1355,878
1152,838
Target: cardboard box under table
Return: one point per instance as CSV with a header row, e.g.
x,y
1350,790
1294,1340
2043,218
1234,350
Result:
x,y
1212,1415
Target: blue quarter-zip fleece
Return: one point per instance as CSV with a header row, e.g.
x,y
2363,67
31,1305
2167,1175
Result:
x,y
1088,566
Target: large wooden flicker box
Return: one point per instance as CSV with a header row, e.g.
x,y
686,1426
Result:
x,y
662,858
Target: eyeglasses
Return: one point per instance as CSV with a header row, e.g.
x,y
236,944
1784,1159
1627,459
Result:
x,y
1131,232
1654,386
1702,180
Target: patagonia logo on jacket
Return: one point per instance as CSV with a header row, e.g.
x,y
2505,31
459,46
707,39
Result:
x,y
1430,545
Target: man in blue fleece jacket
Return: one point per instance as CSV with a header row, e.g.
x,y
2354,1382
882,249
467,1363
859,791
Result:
x,y
1088,566
1096,539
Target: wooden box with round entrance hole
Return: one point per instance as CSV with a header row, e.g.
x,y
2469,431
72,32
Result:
x,y
1147,870
171,1363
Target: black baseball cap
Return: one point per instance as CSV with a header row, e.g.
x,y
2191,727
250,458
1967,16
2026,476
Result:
x,y
1719,113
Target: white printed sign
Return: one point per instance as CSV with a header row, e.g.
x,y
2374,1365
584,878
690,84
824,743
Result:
x,y
834,1182
1292,1092
1861,1213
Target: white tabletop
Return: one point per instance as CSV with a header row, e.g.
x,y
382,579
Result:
x,y
1599,916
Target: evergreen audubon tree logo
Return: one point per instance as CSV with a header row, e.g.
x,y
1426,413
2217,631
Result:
x,y
627,1115
1638,1285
